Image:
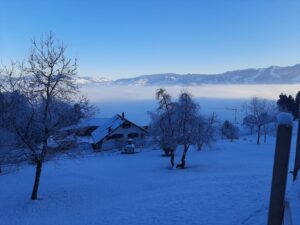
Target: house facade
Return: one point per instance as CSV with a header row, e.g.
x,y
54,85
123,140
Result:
x,y
116,132
105,134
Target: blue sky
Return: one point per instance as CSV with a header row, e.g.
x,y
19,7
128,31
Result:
x,y
127,38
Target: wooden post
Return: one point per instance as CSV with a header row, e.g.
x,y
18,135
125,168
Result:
x,y
280,170
297,157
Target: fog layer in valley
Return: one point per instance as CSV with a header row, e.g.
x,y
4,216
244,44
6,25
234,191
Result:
x,y
136,101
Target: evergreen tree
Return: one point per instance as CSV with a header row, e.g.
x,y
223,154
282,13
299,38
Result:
x,y
289,104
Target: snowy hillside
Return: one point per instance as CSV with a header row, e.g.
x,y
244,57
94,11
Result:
x,y
92,80
228,184
270,75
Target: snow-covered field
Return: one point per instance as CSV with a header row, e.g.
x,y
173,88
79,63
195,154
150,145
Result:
x,y
293,204
228,184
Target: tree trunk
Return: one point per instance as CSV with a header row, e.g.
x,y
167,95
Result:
x,y
182,163
172,158
265,135
200,147
37,179
40,158
258,135
167,151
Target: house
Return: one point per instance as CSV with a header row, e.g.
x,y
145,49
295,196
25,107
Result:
x,y
103,133
115,132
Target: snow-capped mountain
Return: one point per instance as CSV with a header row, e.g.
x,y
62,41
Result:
x,y
92,80
270,75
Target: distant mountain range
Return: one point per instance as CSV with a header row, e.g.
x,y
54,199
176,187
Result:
x,y
270,75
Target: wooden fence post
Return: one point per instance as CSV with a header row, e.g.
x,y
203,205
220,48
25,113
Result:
x,y
280,168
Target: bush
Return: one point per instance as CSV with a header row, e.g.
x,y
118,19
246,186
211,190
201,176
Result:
x,y
230,131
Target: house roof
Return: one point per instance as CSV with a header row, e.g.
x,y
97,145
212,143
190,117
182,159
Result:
x,y
87,122
109,126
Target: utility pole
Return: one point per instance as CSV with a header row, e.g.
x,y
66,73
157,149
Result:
x,y
235,113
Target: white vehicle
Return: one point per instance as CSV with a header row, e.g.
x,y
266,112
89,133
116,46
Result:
x,y
129,147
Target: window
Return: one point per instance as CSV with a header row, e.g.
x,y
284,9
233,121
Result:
x,y
115,136
126,125
133,135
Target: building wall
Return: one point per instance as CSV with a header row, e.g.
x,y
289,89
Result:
x,y
115,143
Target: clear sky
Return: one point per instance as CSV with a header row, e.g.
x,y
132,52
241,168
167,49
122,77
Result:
x,y
127,38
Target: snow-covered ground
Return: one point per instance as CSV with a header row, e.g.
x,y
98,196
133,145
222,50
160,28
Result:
x,y
228,184
293,204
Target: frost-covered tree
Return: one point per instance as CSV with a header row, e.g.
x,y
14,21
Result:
x,y
164,123
261,113
180,124
187,119
206,130
250,122
229,131
268,126
47,99
10,101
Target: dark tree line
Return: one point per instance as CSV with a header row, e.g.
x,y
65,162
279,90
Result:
x,y
289,104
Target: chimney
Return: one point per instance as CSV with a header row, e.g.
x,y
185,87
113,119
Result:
x,y
123,115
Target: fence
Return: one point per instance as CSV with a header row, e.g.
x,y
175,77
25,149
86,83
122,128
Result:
x,y
280,210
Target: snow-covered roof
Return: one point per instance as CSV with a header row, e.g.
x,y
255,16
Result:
x,y
104,126
85,139
88,122
110,125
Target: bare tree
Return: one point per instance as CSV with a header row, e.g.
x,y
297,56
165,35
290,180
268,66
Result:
x,y
164,123
229,131
48,86
250,121
261,112
179,123
53,77
187,123
206,130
